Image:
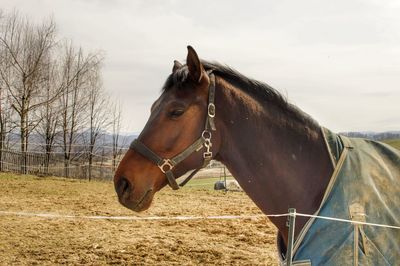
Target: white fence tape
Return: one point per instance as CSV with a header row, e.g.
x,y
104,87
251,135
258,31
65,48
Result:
x,y
347,221
333,219
184,218
131,218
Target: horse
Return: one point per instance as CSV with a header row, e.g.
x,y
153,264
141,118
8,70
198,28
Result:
x,y
281,157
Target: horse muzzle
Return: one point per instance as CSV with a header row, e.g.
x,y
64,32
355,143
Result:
x,y
130,197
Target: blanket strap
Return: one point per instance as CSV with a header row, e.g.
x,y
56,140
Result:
x,y
357,213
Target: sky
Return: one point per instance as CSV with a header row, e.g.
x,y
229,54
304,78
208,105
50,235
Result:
x,y
338,61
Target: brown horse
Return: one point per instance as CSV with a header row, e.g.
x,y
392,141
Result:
x,y
280,156
275,151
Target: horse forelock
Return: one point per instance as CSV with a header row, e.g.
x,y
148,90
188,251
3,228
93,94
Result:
x,y
176,79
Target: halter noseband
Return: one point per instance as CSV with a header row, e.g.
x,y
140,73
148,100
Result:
x,y
166,165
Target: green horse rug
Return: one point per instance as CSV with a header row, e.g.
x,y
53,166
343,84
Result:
x,y
365,186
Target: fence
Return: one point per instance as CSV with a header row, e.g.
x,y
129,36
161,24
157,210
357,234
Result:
x,y
53,164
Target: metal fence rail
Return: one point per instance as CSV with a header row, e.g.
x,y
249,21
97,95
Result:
x,y
53,164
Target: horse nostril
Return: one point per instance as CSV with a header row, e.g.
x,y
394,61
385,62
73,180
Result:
x,y
123,187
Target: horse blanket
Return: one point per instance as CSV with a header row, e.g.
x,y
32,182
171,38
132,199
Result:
x,y
365,186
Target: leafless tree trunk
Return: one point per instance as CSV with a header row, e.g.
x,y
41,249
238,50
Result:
x,y
5,122
116,134
27,46
97,113
3,104
48,114
6,112
77,68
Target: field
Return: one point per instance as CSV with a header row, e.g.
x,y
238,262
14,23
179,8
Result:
x,y
393,142
78,240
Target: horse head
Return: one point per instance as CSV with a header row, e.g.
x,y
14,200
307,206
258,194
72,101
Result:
x,y
179,136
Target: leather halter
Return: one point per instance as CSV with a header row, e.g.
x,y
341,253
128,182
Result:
x,y
166,165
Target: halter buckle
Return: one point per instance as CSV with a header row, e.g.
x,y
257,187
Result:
x,y
207,155
211,110
166,163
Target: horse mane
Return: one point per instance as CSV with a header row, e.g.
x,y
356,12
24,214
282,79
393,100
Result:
x,y
262,92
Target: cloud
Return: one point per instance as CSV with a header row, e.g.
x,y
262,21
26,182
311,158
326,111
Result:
x,y
337,60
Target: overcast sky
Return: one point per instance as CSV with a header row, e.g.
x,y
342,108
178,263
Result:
x,y
338,60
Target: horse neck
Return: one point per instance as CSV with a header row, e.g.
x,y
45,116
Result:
x,y
277,160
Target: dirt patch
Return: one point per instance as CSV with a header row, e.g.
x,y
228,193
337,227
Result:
x,y
35,240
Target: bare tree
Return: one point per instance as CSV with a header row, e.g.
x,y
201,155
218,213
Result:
x,y
27,46
6,112
51,88
97,113
5,122
77,68
48,113
117,142
3,107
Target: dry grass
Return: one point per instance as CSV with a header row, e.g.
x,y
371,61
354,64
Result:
x,y
34,240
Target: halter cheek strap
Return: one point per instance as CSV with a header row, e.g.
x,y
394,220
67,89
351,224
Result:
x,y
204,141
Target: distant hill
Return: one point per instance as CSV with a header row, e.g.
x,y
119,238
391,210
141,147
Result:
x,y
124,140
373,135
105,140
391,137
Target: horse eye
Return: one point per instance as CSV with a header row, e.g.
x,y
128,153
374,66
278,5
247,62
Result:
x,y
176,113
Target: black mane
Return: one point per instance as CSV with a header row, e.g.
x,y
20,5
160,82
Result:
x,y
259,90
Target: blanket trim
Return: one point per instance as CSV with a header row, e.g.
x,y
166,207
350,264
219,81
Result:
x,y
342,158
337,167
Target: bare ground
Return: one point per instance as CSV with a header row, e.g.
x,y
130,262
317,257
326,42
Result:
x,y
36,240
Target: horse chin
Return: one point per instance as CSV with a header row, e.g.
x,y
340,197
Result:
x,y
142,204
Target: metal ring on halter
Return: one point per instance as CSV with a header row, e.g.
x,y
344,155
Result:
x,y
211,110
205,132
166,163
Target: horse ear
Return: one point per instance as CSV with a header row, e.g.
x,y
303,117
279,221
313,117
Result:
x,y
177,66
195,67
